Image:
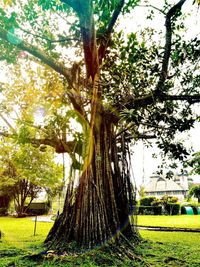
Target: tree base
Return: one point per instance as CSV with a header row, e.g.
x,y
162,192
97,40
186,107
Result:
x,y
115,252
116,241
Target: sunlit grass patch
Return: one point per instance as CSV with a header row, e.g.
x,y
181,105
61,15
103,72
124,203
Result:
x,y
172,237
19,232
171,248
179,221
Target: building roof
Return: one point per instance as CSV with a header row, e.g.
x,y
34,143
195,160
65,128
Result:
x,y
159,184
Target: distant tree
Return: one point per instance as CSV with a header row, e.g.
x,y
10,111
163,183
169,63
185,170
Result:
x,y
141,191
195,192
25,171
194,163
169,204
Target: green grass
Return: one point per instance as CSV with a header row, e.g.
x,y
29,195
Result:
x,y
172,237
168,250
20,231
179,221
163,248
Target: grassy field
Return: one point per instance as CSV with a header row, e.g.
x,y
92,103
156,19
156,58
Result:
x,y
20,231
170,249
162,249
179,221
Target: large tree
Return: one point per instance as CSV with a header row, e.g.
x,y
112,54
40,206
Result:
x,y
113,88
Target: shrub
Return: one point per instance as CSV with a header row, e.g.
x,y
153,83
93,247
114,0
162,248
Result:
x,y
172,208
150,210
3,211
147,201
37,209
169,199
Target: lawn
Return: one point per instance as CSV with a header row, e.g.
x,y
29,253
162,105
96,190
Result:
x,y
162,249
179,221
170,249
20,231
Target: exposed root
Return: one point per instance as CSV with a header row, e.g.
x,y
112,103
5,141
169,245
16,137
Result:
x,y
118,251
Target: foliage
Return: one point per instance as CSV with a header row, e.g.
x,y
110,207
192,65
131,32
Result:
x,y
169,199
195,192
25,171
195,163
3,211
150,210
172,208
169,204
141,191
147,201
4,200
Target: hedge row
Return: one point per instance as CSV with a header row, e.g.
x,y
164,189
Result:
x,y
150,210
147,201
171,209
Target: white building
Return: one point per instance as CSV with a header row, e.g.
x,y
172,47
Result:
x,y
160,186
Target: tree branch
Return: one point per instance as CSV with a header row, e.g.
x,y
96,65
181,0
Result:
x,y
60,146
146,136
75,5
108,31
46,59
152,98
168,43
158,95
137,135
154,7
61,69
189,98
8,123
47,39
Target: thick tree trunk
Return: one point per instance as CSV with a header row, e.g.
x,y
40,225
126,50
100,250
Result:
x,y
98,209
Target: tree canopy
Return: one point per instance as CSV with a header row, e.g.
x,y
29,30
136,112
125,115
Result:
x,y
194,192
